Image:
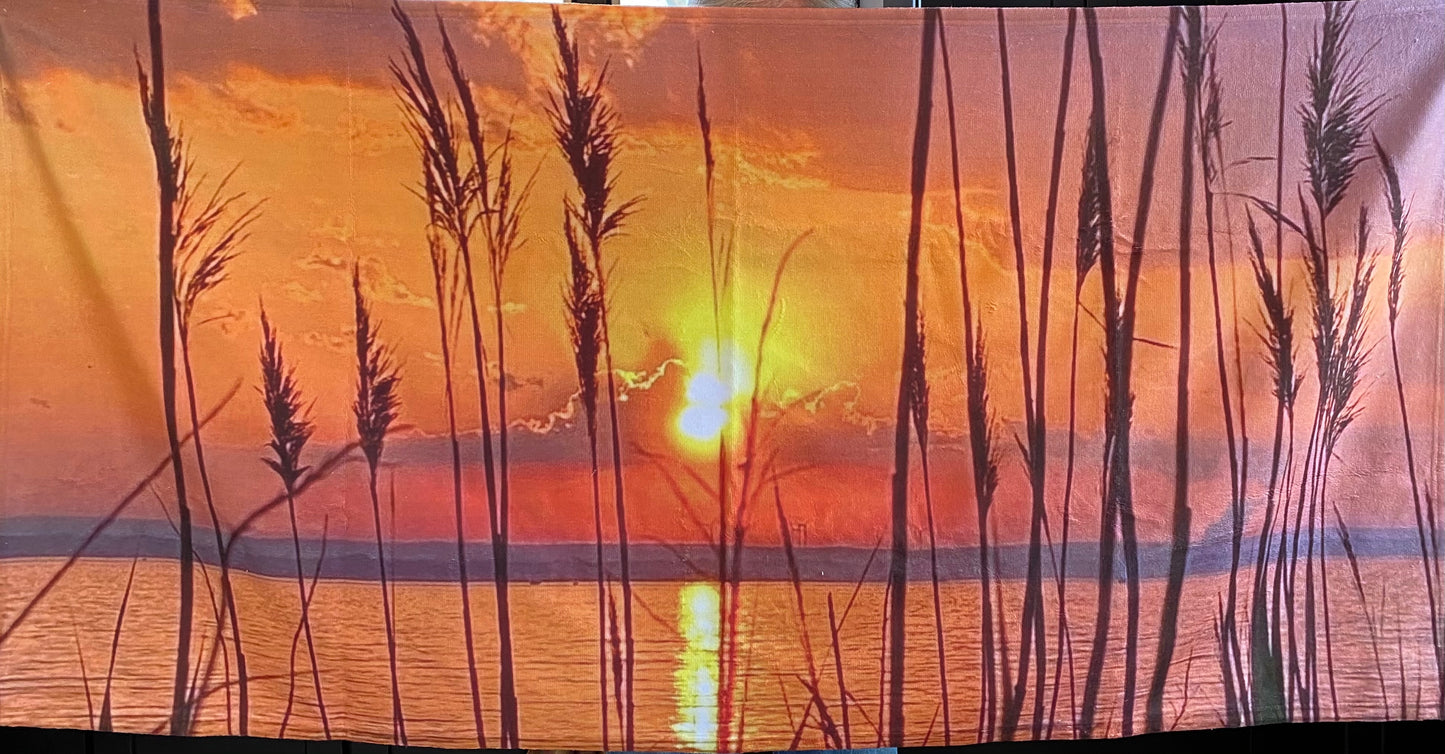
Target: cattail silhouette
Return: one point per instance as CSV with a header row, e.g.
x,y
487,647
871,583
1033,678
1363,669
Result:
x,y
210,232
1424,513
375,410
291,428
585,127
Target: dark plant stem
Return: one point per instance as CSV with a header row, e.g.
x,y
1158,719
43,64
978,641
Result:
x,y
1192,53
443,297
978,422
228,596
937,597
1121,476
305,600
105,523
1119,327
153,101
833,628
388,617
1038,448
898,569
623,546
1064,639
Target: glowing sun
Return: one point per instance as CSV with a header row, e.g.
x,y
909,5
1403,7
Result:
x,y
713,393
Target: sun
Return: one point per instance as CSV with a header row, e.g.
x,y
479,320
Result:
x,y
713,393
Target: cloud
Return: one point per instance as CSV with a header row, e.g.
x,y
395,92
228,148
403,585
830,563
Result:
x,y
298,292
229,320
618,36
320,261
249,109
377,280
509,307
344,342
239,9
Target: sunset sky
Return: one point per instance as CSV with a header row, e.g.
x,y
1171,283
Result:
x,y
813,120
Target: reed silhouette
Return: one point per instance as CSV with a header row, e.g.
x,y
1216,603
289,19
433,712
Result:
x,y
585,128
898,565
1192,68
919,399
982,424
291,428
1425,516
375,409
168,162
1120,312
501,204
211,227
583,302
457,197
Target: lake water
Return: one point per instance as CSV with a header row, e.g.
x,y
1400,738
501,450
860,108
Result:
x,y
42,681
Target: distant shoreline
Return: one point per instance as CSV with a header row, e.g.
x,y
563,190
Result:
x,y
435,561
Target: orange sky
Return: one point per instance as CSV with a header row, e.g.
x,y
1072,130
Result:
x,y
813,121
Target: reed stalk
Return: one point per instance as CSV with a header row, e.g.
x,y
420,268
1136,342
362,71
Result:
x,y
898,567
445,284
1266,685
164,149
981,423
829,728
720,267
210,232
309,596
502,202
1192,69
583,303
920,425
375,409
1334,120
457,200
1344,532
1032,632
1424,518
833,628
586,130
291,428
1119,320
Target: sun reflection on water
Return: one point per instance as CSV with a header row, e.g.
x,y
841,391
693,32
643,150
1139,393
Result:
x,y
695,682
